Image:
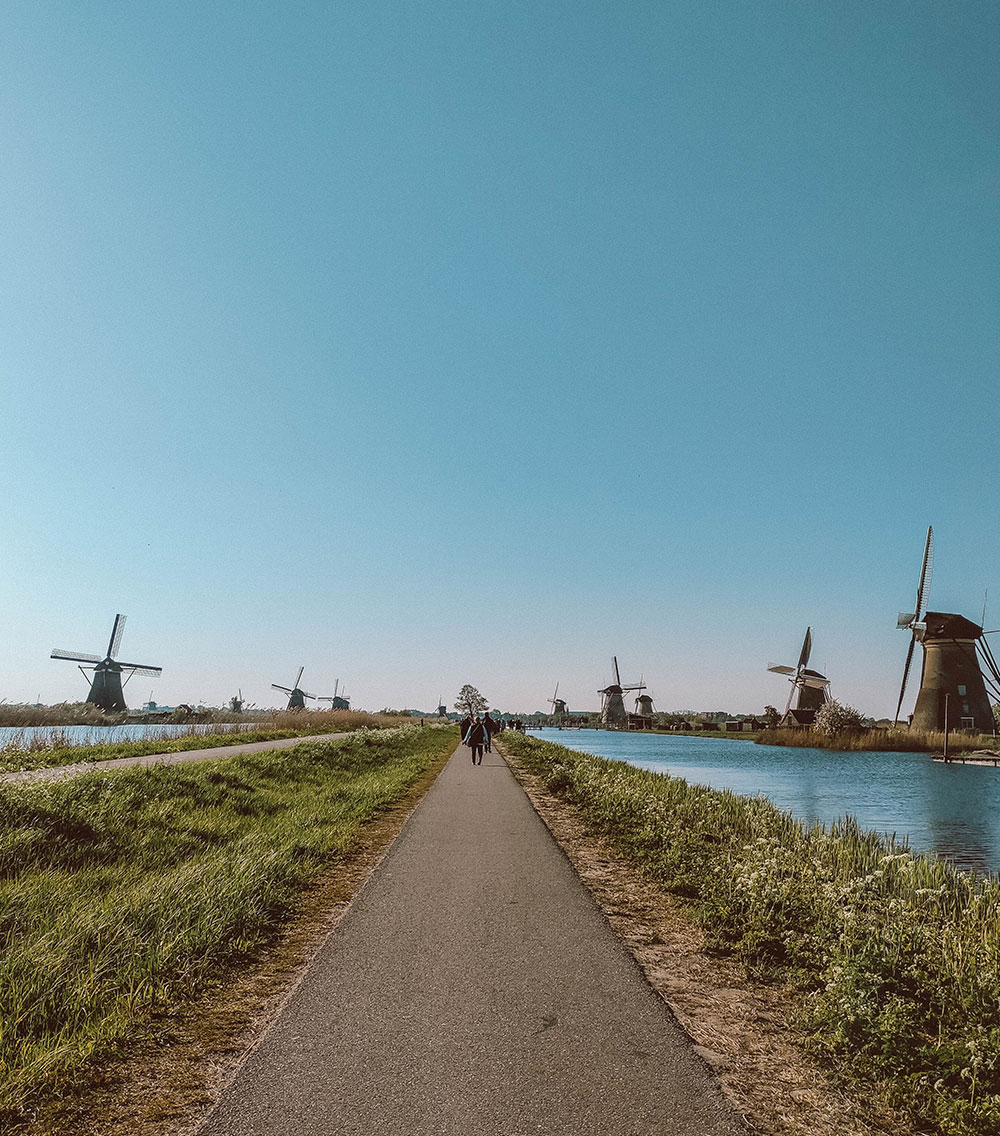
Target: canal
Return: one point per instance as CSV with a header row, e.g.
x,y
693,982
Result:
x,y
950,810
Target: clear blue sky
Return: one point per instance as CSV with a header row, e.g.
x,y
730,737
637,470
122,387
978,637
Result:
x,y
428,342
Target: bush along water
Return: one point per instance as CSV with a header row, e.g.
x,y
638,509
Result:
x,y
123,893
898,954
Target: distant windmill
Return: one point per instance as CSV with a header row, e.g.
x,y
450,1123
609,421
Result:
x,y
337,701
951,675
613,712
237,704
442,709
559,707
644,705
106,684
813,689
296,696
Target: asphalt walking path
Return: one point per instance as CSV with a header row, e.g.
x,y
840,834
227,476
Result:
x,y
175,757
473,989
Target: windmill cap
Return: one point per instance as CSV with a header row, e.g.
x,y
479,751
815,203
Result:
x,y
948,625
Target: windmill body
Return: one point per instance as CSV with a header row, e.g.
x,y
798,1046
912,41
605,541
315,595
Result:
x,y
106,682
952,691
809,689
951,667
559,707
613,712
296,695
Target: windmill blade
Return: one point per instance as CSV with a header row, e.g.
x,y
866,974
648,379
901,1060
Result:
x,y
283,689
777,668
306,694
791,695
618,677
906,675
555,693
807,646
116,635
924,584
141,669
298,678
74,656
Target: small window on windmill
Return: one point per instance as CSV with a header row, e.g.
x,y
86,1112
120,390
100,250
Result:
x,y
962,691
967,723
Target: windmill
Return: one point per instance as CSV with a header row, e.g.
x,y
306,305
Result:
x,y
106,684
952,687
296,697
559,707
337,701
613,712
239,705
813,689
442,709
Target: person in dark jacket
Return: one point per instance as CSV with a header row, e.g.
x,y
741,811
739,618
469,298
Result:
x,y
463,727
492,725
476,739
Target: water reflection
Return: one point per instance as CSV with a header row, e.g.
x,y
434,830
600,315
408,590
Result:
x,y
106,735
950,810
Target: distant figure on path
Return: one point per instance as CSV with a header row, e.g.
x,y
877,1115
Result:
x,y
477,738
463,728
492,725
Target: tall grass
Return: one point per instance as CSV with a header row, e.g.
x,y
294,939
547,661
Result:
x,y
895,740
899,953
121,893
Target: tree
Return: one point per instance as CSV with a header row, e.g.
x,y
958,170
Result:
x,y
832,717
470,701
771,716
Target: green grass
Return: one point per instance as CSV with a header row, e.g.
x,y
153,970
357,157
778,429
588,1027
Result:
x,y
897,954
122,893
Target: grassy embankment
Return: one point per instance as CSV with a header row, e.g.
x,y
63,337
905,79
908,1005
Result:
x,y
123,894
895,740
56,749
898,955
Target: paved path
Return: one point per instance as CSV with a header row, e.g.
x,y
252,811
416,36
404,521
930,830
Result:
x,y
178,757
473,989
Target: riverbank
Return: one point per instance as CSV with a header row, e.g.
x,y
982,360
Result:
x,y
892,957
892,740
129,896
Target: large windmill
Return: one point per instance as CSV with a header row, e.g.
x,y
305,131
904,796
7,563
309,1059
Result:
x,y
613,712
106,683
296,696
559,707
337,701
809,688
952,687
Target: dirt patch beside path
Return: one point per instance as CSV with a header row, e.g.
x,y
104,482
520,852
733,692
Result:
x,y
177,1069
744,1030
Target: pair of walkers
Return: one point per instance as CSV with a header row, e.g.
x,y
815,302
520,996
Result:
x,y
477,734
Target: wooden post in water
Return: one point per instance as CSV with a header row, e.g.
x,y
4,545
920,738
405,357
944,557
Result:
x,y
946,697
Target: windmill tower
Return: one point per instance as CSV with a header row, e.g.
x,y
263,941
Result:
x,y
559,707
296,697
644,707
442,709
951,675
810,689
613,712
337,701
106,683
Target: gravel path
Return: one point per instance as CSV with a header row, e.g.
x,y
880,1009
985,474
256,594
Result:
x,y
473,989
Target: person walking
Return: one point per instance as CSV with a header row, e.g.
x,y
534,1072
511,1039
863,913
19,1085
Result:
x,y
491,726
476,740
463,728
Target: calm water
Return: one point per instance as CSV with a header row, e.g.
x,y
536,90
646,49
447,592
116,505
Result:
x,y
952,810
104,735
